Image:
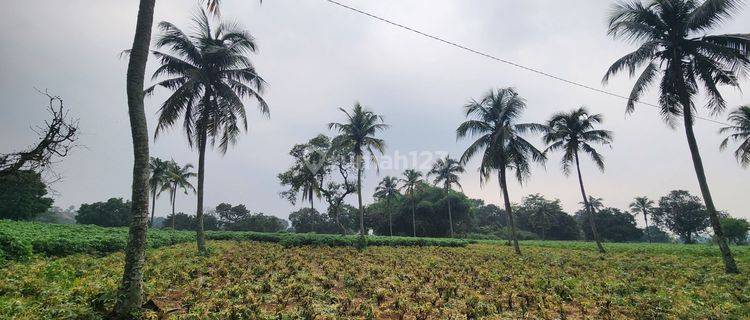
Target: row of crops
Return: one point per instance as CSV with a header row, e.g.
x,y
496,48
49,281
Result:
x,y
21,240
261,280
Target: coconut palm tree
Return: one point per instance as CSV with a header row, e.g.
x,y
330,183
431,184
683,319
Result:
x,y
210,75
130,292
386,190
158,175
357,134
674,45
446,172
739,131
493,121
644,206
572,133
409,185
178,178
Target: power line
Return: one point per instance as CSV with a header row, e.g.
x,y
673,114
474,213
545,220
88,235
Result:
x,y
491,57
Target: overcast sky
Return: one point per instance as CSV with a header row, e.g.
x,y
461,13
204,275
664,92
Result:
x,y
318,57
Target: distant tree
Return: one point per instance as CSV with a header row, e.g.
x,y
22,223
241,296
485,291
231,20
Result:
x,y
58,215
735,229
336,190
546,218
572,133
488,218
409,184
739,131
229,214
209,74
310,220
258,222
644,206
180,221
676,47
22,195
386,190
310,167
178,178
654,234
493,121
445,171
157,180
357,135
681,213
613,224
113,213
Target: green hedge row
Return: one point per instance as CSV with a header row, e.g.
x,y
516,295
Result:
x,y
20,240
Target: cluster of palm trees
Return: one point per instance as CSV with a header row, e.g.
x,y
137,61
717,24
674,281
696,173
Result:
x,y
168,176
210,75
444,171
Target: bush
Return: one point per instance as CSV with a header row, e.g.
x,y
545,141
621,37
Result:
x,y
12,248
19,240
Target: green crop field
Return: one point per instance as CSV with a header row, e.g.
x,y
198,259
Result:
x,y
278,278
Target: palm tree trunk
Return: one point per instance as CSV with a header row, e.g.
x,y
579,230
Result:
x,y
130,295
153,207
174,199
359,198
589,209
413,216
390,215
450,216
506,199
201,238
729,264
648,232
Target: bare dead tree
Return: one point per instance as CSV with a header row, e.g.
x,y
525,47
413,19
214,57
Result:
x,y
57,137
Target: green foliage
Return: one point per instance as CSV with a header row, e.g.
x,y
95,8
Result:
x,y
613,225
735,229
113,213
654,234
430,211
310,220
188,222
739,131
254,280
22,195
682,213
13,248
19,240
546,218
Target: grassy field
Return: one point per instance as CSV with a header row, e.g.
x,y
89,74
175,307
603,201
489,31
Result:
x,y
263,280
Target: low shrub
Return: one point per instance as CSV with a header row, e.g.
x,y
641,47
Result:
x,y
19,240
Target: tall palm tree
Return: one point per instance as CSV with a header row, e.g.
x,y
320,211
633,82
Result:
x,y
409,185
644,206
130,292
387,189
739,131
210,74
574,132
178,178
357,134
446,172
493,121
674,44
157,180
